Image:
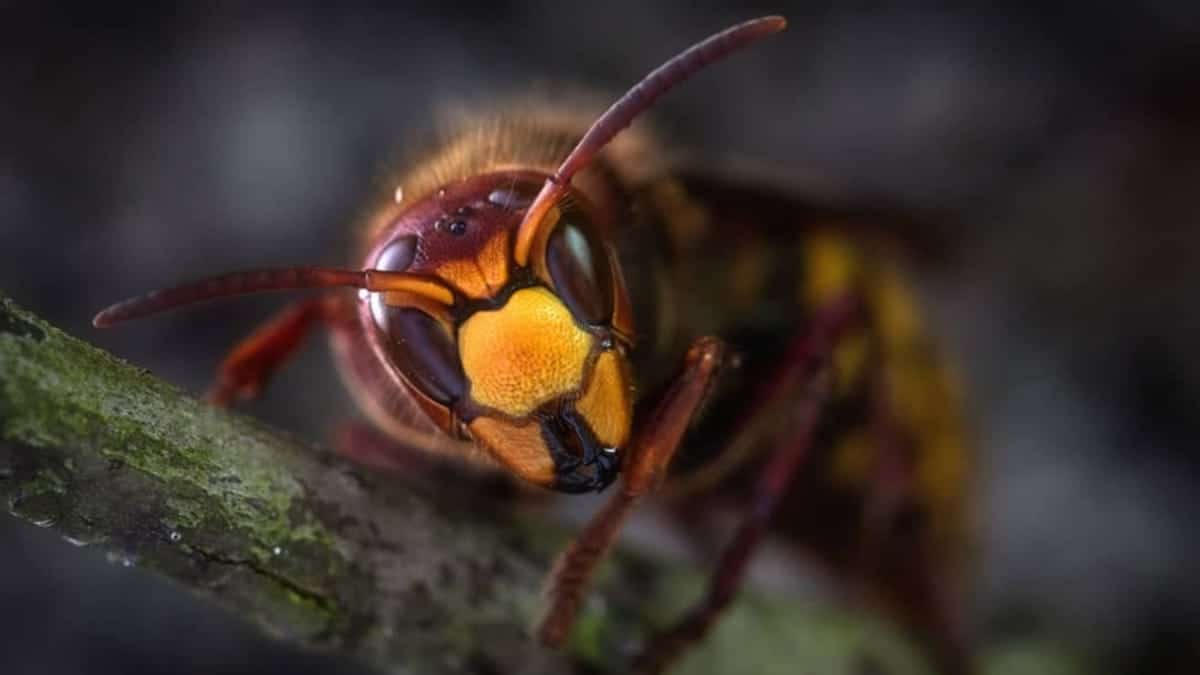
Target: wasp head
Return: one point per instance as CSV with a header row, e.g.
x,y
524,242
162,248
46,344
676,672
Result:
x,y
529,360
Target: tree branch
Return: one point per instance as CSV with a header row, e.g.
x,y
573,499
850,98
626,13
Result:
x,y
324,554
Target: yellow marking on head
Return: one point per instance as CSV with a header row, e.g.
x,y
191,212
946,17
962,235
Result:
x,y
541,238
832,268
524,354
493,260
520,449
383,281
482,276
606,404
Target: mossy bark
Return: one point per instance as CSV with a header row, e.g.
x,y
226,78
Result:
x,y
325,554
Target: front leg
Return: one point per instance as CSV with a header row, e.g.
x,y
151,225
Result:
x,y
654,445
246,369
809,360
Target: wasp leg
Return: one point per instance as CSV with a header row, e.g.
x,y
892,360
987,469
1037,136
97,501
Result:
x,y
813,354
247,368
654,445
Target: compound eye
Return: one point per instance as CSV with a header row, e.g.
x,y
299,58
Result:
x,y
422,349
419,345
579,268
398,255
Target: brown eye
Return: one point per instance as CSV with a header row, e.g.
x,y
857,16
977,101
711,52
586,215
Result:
x,y
422,349
578,266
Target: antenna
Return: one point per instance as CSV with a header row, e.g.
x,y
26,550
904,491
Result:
x,y
260,281
636,101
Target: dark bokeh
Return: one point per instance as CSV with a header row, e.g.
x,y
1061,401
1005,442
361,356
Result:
x,y
142,145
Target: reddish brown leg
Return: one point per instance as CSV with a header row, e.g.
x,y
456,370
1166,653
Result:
x,y
812,354
650,454
251,363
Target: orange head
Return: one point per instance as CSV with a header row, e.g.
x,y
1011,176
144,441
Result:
x,y
529,360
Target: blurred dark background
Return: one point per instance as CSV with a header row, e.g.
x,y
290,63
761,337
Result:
x,y
140,145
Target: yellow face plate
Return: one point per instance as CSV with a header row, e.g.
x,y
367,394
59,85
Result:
x,y
523,354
